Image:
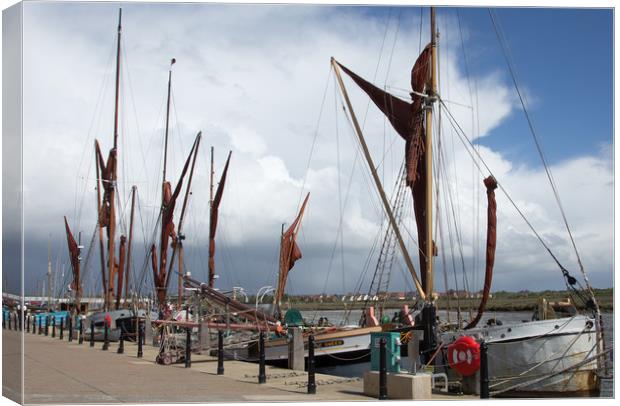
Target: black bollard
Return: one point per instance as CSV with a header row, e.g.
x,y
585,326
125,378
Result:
x,y
21,319
106,339
47,325
28,324
9,321
53,327
92,333
484,371
81,330
311,378
62,327
121,343
40,324
34,324
140,338
262,378
188,348
220,352
382,370
3,320
70,327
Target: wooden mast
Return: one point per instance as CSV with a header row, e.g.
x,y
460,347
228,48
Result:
x,y
127,269
112,219
428,148
375,176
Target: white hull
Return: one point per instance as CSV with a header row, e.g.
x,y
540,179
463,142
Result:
x,y
520,354
338,344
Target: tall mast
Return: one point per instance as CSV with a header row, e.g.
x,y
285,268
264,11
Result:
x,y
375,177
172,61
127,269
428,148
112,219
49,273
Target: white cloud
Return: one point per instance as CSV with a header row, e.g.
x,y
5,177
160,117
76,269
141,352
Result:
x,y
252,78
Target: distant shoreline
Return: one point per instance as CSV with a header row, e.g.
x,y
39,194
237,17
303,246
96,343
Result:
x,y
499,302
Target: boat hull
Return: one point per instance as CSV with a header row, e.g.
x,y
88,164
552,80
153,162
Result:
x,y
340,346
527,358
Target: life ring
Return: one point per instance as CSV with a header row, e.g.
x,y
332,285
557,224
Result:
x,y
464,355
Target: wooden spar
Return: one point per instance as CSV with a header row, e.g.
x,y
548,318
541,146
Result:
x,y
118,75
101,249
185,200
375,176
112,219
127,269
428,151
163,181
181,273
172,61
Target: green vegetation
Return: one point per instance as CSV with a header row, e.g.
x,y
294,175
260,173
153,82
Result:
x,y
500,301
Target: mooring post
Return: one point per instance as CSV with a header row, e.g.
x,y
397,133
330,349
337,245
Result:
x,y
106,339
121,343
53,327
62,326
34,324
9,320
92,333
262,378
220,352
484,371
70,327
188,347
140,337
311,378
40,324
3,320
81,330
383,393
47,325
28,323
21,318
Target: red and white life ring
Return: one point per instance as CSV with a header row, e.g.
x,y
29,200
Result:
x,y
464,355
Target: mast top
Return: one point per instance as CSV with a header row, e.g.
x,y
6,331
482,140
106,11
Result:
x,y
120,15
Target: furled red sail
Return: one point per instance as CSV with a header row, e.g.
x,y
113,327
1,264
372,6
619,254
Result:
x,y
408,121
167,232
74,254
491,185
213,223
289,252
120,271
108,169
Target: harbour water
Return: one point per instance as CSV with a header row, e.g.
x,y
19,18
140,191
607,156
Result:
x,y
357,369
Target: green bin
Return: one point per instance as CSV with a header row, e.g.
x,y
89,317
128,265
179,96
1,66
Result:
x,y
392,351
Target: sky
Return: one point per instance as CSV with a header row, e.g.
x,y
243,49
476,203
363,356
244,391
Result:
x,y
256,80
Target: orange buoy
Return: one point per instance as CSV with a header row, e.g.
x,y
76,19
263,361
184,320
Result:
x,y
464,355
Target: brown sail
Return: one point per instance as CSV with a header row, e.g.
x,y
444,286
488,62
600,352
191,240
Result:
x,y
289,252
108,170
491,185
408,121
213,223
74,254
168,233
